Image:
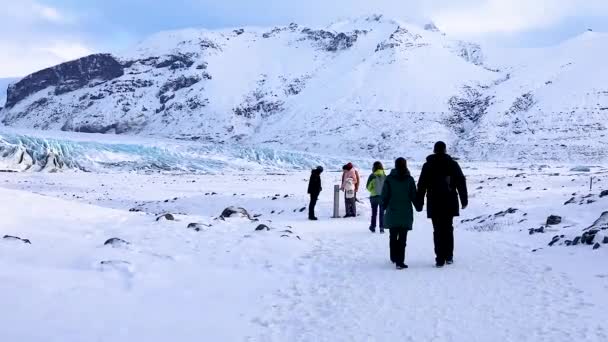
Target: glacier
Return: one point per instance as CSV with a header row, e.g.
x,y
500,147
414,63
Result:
x,y
29,151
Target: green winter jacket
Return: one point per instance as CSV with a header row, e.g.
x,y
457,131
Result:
x,y
375,183
399,197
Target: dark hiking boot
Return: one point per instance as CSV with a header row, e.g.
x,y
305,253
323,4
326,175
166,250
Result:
x,y
372,229
449,261
313,218
440,264
381,230
401,266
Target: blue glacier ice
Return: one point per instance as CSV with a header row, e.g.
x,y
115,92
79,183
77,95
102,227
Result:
x,y
32,152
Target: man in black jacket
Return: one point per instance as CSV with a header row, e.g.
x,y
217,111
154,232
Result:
x,y
443,183
314,189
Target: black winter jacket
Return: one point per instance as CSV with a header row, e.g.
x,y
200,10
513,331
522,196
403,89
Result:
x,y
443,183
314,185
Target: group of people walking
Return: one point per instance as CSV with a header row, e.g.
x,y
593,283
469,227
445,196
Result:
x,y
394,197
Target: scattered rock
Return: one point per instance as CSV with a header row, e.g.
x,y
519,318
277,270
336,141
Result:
x,y
116,242
604,193
554,220
581,169
197,227
235,211
605,240
576,241
506,212
533,231
16,238
596,246
115,262
262,227
135,210
287,231
528,188
302,209
168,217
588,238
554,240
570,201
509,184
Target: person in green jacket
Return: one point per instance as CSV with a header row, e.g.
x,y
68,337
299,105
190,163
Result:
x,y
399,197
375,183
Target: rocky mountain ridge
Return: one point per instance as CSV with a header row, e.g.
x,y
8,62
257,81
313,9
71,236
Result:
x,y
369,86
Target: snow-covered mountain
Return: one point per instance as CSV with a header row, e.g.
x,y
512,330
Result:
x,y
368,87
4,83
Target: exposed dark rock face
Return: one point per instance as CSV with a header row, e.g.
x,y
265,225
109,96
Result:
x,y
401,38
176,62
469,107
66,77
330,41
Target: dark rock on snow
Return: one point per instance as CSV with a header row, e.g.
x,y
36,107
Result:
x,y
554,240
197,226
604,193
596,246
554,220
116,242
235,211
262,227
168,217
16,238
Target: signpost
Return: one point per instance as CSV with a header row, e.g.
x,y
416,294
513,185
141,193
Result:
x,y
336,201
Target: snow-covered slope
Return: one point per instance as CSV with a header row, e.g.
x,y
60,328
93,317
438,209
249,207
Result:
x,y
365,87
4,83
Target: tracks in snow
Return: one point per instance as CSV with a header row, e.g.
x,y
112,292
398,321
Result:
x,y
345,289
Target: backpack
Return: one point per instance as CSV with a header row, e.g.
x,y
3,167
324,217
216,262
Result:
x,y
349,189
378,182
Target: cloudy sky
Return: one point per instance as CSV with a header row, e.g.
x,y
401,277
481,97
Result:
x,y
41,33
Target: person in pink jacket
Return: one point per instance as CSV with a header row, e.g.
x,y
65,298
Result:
x,y
350,173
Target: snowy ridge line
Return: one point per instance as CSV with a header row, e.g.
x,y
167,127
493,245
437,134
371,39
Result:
x,y
20,152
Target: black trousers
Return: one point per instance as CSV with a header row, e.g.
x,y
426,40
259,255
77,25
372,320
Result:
x,y
398,241
443,236
311,206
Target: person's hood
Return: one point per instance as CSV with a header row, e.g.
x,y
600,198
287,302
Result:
x,y
379,173
317,171
395,173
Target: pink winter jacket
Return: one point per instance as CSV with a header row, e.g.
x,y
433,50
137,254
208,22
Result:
x,y
352,173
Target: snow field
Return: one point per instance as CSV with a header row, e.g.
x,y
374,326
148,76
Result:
x,y
325,281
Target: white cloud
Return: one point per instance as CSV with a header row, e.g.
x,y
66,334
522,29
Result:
x,y
513,16
47,13
63,50
41,36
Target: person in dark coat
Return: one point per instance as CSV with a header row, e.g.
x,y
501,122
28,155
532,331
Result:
x,y
398,197
314,189
443,183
